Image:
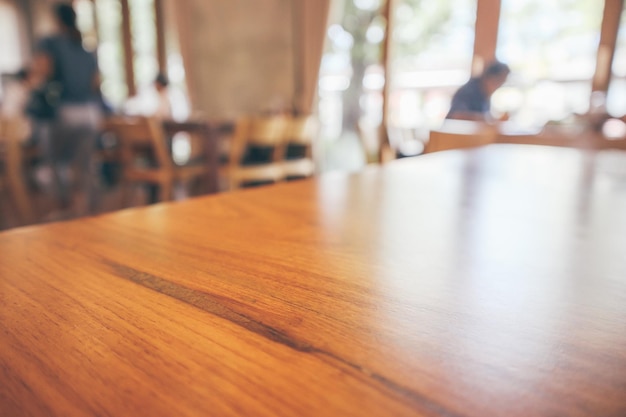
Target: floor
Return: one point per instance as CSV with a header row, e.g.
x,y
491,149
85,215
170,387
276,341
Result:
x,y
342,154
47,209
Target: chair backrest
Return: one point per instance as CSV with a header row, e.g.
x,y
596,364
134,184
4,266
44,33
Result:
x,y
139,136
300,133
267,131
459,134
261,132
301,130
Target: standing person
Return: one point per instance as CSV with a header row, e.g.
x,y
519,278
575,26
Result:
x,y
473,100
72,75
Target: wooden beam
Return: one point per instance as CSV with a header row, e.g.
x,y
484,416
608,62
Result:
x,y
297,21
128,49
606,48
385,152
159,19
486,34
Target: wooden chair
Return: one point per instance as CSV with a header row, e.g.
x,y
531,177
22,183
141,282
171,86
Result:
x,y
298,142
147,159
459,134
257,151
12,158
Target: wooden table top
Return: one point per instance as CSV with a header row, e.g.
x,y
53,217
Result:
x,y
489,282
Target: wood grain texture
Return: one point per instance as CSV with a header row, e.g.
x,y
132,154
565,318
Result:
x,y
484,282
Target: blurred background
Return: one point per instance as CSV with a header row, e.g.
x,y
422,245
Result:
x,y
372,73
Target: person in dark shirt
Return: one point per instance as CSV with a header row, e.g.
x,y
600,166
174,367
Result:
x,y
73,80
473,100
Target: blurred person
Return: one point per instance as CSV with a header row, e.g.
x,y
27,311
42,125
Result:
x,y
152,101
473,100
164,107
71,74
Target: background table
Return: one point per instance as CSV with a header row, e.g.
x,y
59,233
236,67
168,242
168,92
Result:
x,y
489,282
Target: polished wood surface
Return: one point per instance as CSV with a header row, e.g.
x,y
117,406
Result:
x,y
483,282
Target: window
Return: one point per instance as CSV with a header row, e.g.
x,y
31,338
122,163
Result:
x,y
11,59
551,47
86,21
348,65
143,27
433,44
111,51
432,48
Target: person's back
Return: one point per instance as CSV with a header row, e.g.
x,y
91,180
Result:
x,y
73,68
469,100
473,100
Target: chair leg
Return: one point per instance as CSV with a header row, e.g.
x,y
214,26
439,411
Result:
x,y
15,180
126,194
233,183
165,191
22,200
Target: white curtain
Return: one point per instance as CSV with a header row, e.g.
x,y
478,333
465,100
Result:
x,y
246,56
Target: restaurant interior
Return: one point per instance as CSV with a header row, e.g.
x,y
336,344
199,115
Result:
x,y
313,208
341,84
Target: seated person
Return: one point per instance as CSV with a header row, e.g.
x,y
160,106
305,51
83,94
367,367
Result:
x,y
473,100
152,101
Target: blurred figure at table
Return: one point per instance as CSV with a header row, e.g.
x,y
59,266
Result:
x,y
152,101
71,73
473,100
